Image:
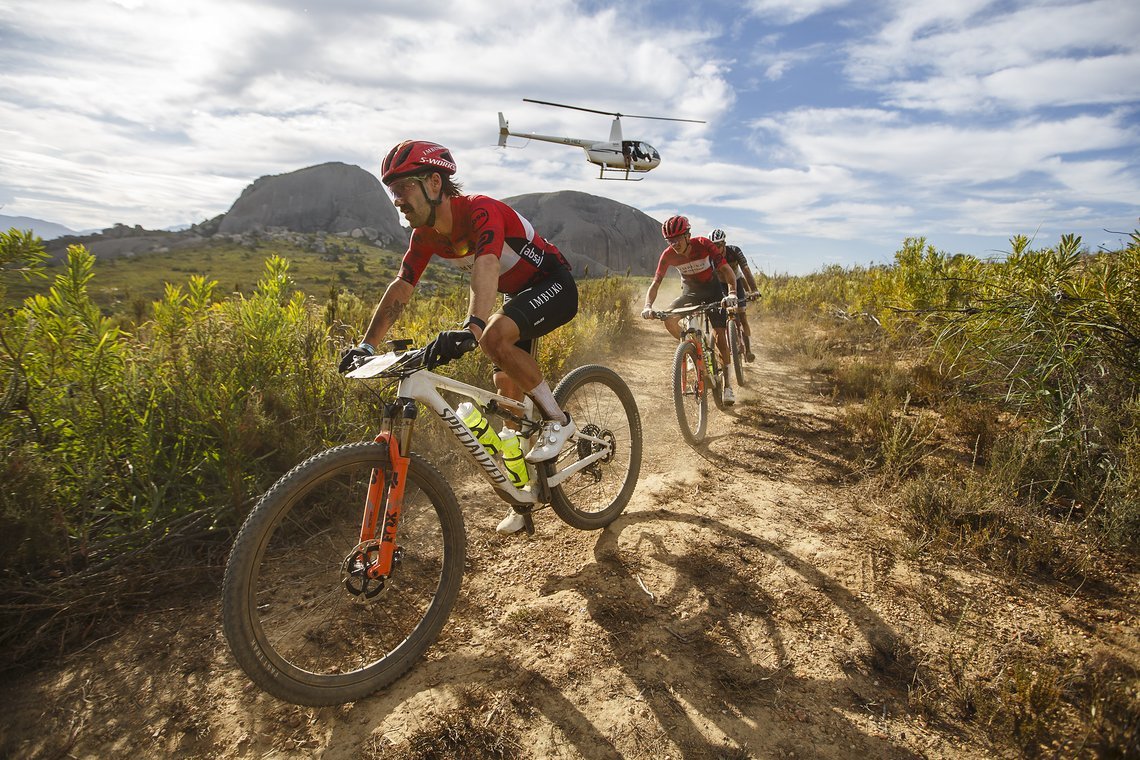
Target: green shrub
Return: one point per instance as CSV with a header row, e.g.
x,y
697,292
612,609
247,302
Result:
x,y
131,456
1044,339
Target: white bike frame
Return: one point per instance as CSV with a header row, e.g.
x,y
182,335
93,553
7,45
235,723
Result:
x,y
424,386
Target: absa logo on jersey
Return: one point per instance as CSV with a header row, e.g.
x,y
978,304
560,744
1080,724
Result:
x,y
479,218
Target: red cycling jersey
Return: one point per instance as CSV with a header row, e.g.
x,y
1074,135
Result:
x,y
699,265
483,226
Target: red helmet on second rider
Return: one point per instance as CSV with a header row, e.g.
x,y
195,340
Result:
x,y
674,226
415,157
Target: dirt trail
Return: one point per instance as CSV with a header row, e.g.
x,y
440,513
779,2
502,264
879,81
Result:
x,y
747,604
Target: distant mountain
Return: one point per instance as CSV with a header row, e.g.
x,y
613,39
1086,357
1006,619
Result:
x,y
597,235
333,197
594,232
46,230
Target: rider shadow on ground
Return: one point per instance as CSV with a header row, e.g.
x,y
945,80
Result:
x,y
708,650
796,447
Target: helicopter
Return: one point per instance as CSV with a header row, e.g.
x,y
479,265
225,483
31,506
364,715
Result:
x,y
615,157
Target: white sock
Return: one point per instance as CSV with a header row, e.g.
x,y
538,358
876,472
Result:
x,y
545,399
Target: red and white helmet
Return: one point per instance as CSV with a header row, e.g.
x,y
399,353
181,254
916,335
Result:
x,y
415,157
674,226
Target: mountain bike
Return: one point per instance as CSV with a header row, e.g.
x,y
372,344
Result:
x,y
696,369
736,339
347,569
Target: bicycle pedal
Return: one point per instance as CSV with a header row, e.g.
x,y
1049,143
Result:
x,y
528,523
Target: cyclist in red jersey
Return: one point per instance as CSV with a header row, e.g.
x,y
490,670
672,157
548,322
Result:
x,y
503,254
700,264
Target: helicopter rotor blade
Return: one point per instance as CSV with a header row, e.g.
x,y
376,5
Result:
x,y
659,118
611,113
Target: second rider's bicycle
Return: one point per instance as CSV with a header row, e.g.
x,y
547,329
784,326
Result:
x,y
736,338
697,369
346,570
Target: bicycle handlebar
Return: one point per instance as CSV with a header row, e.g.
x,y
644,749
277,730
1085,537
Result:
x,y
685,311
407,360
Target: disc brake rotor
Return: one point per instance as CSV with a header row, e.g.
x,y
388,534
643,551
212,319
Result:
x,y
354,570
586,448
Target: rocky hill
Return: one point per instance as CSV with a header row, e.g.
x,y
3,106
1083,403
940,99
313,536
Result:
x,y
596,234
334,197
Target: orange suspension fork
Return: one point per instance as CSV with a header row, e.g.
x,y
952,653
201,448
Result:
x,y
700,368
385,488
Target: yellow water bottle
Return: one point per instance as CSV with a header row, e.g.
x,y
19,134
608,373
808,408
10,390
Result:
x,y
513,457
479,427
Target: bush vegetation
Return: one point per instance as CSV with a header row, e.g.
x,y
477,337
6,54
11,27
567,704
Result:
x,y
134,450
1000,401
1041,348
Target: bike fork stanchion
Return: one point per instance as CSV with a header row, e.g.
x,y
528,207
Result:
x,y
399,441
378,481
373,559
702,364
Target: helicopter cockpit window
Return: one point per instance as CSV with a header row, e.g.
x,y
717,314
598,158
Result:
x,y
635,150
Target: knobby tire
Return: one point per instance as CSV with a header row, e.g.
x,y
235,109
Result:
x,y
601,404
692,407
292,625
736,342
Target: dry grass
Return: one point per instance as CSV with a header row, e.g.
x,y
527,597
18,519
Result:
x,y
482,725
977,487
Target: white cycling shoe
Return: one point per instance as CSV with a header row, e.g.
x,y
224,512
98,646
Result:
x,y
551,438
512,523
728,396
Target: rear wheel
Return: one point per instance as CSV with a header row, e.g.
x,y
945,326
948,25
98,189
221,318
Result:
x,y
736,343
601,406
300,618
690,393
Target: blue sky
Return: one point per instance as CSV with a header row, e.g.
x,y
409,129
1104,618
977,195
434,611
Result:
x,y
835,129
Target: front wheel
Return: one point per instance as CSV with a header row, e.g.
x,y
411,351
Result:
x,y
718,375
690,393
602,406
299,623
736,343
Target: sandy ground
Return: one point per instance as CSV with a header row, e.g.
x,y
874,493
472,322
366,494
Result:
x,y
752,601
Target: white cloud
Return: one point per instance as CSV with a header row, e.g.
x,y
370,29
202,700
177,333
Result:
x,y
887,143
974,55
1002,217
157,112
790,11
245,88
776,63
871,174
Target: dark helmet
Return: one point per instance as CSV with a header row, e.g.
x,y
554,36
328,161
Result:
x,y
415,157
674,226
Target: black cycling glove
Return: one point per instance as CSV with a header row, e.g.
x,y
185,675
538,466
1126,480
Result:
x,y
351,356
449,345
